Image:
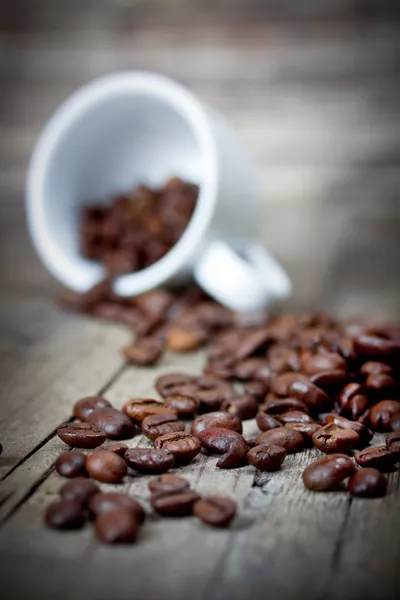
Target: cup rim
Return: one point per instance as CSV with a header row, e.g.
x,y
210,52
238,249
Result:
x,y
74,108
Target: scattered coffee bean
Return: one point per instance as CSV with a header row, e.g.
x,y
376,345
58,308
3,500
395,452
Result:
x,y
118,447
252,369
395,422
144,351
266,458
79,490
257,389
216,419
287,437
104,502
367,483
64,514
311,364
159,424
117,526
115,424
310,394
165,384
85,406
149,461
381,385
277,407
183,446
393,440
364,433
236,456
349,390
253,341
295,416
168,483
81,435
243,406
106,466
218,440
375,368
379,457
306,429
215,510
280,385
382,413
266,422
376,348
328,472
180,339
332,439
140,408
71,464
184,406
355,407
174,504
329,380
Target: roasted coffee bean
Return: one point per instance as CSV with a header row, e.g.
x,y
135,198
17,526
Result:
x,y
287,437
117,526
375,368
81,435
295,416
376,348
182,339
215,510
310,394
144,351
175,504
329,380
71,464
104,502
149,461
266,422
252,369
364,433
381,385
118,447
328,472
218,440
306,429
252,342
212,393
140,408
382,413
257,389
251,442
168,483
166,383
266,458
106,466
184,406
115,424
155,302
155,425
64,514
183,446
282,359
379,457
393,440
277,407
216,419
395,422
234,457
367,483
332,439
349,390
85,406
311,364
280,385
243,406
79,490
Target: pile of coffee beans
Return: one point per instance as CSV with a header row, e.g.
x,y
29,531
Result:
x,y
307,380
136,230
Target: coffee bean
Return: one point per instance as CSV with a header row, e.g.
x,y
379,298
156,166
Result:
x,y
282,359
81,435
216,419
183,446
395,422
64,514
376,348
215,510
379,457
252,369
252,342
234,457
329,380
166,383
144,351
328,472
266,458
115,424
168,483
310,394
104,502
71,464
140,408
280,385
332,439
381,385
266,422
175,504
311,364
106,466
375,368
117,526
382,413
85,406
363,432
367,483
349,390
355,407
276,407
243,406
149,461
295,416
257,389
306,429
155,425
118,447
212,393
393,440
287,437
184,406
79,490
218,440
180,339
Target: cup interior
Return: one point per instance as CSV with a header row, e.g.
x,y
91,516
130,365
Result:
x,y
101,143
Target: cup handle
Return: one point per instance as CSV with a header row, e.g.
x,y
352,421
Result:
x,y
246,282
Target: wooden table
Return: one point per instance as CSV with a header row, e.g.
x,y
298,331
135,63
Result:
x,y
315,97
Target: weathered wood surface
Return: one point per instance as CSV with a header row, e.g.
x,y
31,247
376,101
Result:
x,y
312,89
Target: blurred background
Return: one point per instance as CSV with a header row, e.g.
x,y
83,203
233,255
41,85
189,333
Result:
x,y
311,87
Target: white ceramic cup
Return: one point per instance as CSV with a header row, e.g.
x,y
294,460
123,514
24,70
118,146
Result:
x,y
136,127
